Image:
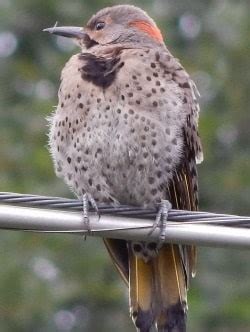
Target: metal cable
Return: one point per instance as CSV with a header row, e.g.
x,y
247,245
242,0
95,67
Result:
x,y
191,217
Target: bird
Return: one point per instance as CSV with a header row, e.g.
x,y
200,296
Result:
x,y
125,131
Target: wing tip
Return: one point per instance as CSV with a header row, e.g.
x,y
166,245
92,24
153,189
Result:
x,y
199,158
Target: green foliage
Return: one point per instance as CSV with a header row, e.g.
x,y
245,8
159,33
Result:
x,y
62,283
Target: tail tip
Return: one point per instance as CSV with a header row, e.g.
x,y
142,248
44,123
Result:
x,y
143,320
175,319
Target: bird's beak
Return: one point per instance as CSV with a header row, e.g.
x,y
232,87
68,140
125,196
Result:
x,y
69,32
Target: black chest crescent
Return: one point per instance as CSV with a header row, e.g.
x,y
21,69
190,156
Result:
x,y
100,71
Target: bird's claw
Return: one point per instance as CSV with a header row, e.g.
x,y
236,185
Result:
x,y
94,206
161,221
86,200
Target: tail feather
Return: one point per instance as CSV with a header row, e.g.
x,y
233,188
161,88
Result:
x,y
158,292
176,319
141,292
171,288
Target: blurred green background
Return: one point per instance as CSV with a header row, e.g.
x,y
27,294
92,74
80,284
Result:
x,y
61,283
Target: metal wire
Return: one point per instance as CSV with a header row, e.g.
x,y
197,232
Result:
x,y
33,219
190,217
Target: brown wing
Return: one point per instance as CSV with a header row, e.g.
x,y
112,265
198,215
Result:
x,y
183,189
118,251
182,192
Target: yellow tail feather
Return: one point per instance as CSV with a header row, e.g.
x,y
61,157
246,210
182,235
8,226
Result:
x,y
171,289
141,292
158,292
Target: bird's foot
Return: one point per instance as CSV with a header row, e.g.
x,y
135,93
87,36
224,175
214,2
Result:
x,y
161,221
88,200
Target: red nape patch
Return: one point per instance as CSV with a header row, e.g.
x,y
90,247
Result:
x,y
150,29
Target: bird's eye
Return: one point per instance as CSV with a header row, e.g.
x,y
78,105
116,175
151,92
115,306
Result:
x,y
99,25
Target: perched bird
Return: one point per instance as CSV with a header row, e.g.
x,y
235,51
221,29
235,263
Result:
x,y
125,131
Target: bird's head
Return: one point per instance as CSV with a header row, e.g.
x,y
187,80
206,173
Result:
x,y
122,24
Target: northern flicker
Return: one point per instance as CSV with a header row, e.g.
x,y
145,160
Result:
x,y
125,131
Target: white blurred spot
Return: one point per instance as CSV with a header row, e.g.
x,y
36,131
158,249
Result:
x,y
65,44
221,68
82,316
44,89
225,19
227,135
69,8
161,8
205,85
203,79
24,87
189,26
5,3
64,320
8,44
44,269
